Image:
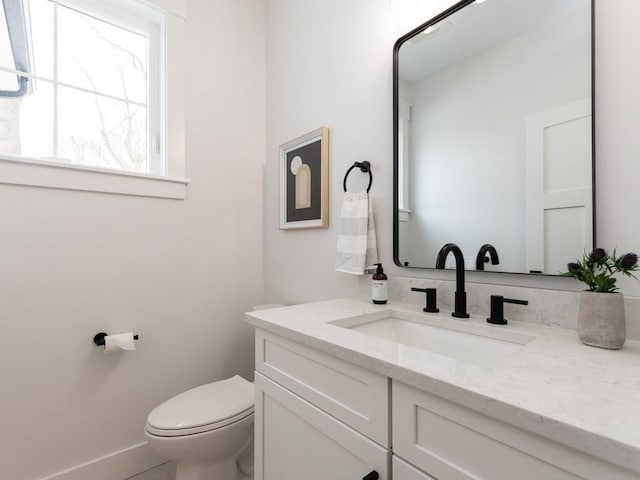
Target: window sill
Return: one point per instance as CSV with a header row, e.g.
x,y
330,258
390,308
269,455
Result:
x,y
37,173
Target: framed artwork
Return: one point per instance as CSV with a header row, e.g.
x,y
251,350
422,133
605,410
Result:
x,y
304,181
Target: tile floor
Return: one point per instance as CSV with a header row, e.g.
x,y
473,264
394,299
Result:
x,y
166,471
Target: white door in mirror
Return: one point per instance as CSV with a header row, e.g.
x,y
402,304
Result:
x,y
558,186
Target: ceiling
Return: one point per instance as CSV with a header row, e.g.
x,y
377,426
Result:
x,y
478,27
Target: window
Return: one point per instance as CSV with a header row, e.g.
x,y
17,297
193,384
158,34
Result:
x,y
15,52
82,85
404,141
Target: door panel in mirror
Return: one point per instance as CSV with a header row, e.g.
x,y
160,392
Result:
x,y
493,135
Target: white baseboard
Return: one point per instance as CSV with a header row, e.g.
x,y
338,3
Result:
x,y
115,466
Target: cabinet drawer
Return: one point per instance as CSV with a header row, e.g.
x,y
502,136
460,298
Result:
x,y
295,440
452,442
355,396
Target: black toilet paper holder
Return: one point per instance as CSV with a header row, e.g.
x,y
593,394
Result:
x,y
98,338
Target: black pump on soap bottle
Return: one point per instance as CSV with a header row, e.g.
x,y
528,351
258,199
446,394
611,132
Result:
x,y
379,292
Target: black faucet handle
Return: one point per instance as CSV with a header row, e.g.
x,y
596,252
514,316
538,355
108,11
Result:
x,y
497,308
517,302
431,299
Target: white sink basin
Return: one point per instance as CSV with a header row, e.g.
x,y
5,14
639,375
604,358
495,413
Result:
x,y
462,341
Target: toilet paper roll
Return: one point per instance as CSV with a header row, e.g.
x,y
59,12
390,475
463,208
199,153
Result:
x,y
119,342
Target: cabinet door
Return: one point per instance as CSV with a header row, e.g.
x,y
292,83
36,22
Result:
x,y
295,440
405,471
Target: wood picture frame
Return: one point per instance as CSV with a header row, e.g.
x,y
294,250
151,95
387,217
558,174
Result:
x,y
304,181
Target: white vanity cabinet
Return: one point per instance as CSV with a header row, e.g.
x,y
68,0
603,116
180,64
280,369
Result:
x,y
336,402
317,417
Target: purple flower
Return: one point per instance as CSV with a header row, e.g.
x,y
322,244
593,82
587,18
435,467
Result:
x,y
573,267
628,260
597,254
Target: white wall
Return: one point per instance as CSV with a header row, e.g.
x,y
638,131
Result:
x,y
329,63
179,273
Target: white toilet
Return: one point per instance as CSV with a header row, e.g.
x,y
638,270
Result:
x,y
207,431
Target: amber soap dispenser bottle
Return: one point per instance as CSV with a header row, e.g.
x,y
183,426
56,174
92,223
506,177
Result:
x,y
379,292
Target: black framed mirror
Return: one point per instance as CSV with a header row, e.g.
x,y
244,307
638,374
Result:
x,y
494,136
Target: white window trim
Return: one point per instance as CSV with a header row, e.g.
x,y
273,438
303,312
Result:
x,y
46,174
403,214
39,173
404,115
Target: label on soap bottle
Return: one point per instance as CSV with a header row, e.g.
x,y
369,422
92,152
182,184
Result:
x,y
379,291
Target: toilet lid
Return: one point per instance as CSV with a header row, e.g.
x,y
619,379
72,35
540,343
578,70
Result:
x,y
212,406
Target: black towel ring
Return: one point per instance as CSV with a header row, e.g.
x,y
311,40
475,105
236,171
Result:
x,y
365,167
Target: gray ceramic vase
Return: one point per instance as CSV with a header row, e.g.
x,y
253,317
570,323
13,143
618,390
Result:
x,y
601,320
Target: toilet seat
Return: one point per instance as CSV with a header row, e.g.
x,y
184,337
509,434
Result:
x,y
202,409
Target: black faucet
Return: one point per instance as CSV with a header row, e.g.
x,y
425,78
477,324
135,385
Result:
x,y
460,296
481,259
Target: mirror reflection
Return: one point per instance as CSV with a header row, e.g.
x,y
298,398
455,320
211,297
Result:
x,y
493,136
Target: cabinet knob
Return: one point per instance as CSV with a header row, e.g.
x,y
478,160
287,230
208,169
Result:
x,y
373,475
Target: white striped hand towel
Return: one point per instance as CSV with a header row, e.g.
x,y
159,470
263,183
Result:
x,y
357,248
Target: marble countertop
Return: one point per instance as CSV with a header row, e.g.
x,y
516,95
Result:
x,y
584,397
